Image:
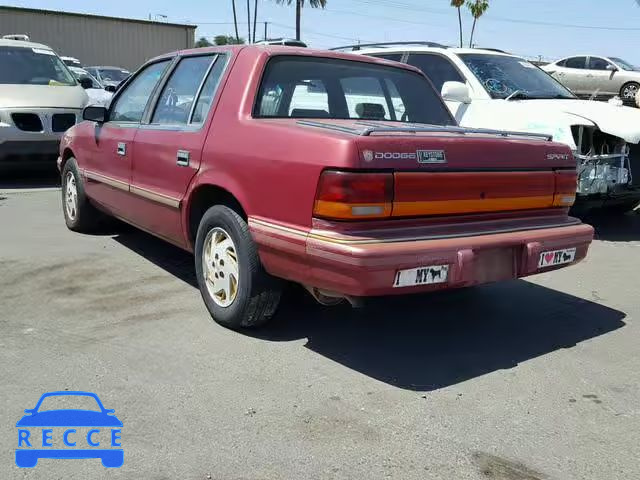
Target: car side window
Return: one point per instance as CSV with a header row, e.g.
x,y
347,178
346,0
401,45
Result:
x,y
561,63
438,68
131,103
396,57
209,90
179,93
576,62
596,63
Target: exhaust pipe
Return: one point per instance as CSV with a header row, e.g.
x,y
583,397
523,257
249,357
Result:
x,y
329,298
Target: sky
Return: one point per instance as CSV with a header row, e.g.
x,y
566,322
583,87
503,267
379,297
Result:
x,y
548,28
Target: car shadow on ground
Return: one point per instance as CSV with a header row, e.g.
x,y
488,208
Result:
x,y
616,228
28,178
423,342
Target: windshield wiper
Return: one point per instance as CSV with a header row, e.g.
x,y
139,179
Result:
x,y
518,94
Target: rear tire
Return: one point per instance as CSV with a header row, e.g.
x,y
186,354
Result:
x,y
79,214
236,289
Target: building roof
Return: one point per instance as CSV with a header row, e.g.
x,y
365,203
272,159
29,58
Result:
x,y
85,15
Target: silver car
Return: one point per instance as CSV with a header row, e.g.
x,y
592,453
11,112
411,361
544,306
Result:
x,y
39,100
588,75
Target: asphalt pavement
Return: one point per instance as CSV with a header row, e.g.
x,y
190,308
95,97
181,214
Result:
x,y
525,380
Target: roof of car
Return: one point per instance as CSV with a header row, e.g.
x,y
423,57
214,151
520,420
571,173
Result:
x,y
5,42
284,50
420,48
105,67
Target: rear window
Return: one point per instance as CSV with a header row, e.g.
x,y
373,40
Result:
x,y
302,87
33,66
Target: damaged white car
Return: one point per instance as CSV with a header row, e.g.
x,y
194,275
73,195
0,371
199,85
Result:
x,y
492,89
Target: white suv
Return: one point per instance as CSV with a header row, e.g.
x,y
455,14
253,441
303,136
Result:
x,y
493,89
39,100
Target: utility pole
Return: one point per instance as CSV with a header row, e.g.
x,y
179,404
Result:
x,y
249,22
265,30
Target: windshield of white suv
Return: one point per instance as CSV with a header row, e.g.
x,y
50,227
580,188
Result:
x,y
298,87
512,77
33,66
623,65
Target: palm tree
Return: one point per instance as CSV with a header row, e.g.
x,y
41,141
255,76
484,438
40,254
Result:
x,y
299,5
235,19
477,7
458,4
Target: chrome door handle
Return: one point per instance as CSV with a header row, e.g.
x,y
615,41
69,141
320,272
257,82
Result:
x,y
183,157
122,149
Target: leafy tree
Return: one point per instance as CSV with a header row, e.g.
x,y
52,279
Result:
x,y
203,42
227,40
458,4
299,5
477,8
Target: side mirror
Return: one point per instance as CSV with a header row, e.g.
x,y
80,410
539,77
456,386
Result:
x,y
455,92
612,68
86,82
95,114
29,410
110,88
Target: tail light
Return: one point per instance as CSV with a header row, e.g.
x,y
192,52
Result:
x,y
565,189
351,196
361,196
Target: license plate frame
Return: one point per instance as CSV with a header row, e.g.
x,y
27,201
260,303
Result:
x,y
553,258
420,276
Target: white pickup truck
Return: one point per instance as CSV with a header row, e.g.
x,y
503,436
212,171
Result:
x,y
493,89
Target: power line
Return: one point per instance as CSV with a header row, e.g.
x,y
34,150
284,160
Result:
x,y
489,17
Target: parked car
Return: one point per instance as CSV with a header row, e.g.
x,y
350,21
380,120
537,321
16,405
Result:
x,y
109,76
373,191
489,89
39,100
71,62
98,93
287,42
594,75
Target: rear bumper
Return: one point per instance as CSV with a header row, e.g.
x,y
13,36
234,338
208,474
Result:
x,y
368,267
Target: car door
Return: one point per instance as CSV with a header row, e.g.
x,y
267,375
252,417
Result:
x,y
439,69
571,73
600,77
108,167
168,145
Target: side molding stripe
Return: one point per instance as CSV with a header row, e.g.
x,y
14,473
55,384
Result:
x,y
139,191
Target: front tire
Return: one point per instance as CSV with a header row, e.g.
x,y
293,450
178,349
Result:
x,y
629,91
235,287
79,214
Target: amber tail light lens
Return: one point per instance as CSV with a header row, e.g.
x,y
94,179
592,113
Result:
x,y
565,189
354,196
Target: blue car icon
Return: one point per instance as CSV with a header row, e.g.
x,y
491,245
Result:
x,y
47,420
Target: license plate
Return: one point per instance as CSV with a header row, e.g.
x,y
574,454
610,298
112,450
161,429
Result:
x,y
556,257
421,276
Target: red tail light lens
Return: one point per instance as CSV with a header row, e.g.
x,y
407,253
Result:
x,y
351,196
565,191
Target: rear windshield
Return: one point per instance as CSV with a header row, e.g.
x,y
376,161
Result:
x,y
33,66
113,74
303,87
